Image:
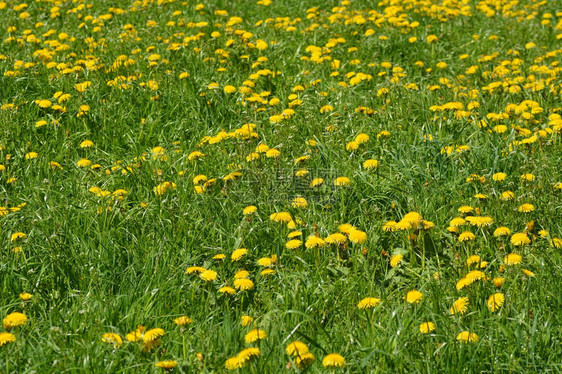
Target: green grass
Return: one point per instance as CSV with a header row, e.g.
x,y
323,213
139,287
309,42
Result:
x,y
99,264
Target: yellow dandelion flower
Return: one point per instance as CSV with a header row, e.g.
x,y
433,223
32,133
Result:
x,y
474,259
336,238
249,210
459,306
314,242
342,181
208,275
255,335
414,218
284,217
43,103
198,179
528,177
294,234
164,187
475,275
427,327
243,284
248,354
233,363
526,208
262,148
6,338
296,348
31,155
252,156
15,319
512,259
427,225
495,301
167,365
302,159
195,269
500,129
229,89
498,282
502,231
389,226
402,225
333,360
457,221
237,254
480,221
499,177
463,282
357,236
316,182
272,153
182,321
246,321
346,228
362,138
396,260
136,335
266,272
17,236
299,202
152,334
265,261
112,338
371,164
368,303
466,236
240,274
301,173
293,244
466,337
195,155
227,290
25,296
528,273
507,195
414,297
87,144
305,360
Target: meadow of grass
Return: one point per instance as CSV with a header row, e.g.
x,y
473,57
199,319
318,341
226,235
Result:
x,y
281,186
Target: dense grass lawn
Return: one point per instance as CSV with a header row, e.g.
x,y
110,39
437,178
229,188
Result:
x,y
281,186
